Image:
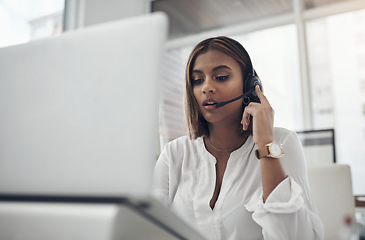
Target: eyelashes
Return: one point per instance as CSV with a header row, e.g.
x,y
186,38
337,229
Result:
x,y
218,78
222,78
197,81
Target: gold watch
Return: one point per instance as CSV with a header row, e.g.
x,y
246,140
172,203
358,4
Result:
x,y
271,150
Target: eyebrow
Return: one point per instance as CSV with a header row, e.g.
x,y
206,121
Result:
x,y
221,66
214,69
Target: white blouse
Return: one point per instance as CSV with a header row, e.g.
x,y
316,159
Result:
x,y
185,180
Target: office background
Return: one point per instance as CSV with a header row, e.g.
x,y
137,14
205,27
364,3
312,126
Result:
x,y
310,55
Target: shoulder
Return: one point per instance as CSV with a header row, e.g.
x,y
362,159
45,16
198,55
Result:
x,y
178,141
181,143
283,134
293,160
279,131
291,144
180,147
289,139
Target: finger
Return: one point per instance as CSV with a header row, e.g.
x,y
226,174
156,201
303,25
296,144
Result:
x,y
261,95
249,110
252,105
245,121
245,124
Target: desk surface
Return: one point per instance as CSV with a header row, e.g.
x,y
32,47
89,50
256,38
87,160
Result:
x,y
61,218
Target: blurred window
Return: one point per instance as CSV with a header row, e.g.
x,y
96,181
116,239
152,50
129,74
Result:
x,y
336,48
21,21
276,62
274,53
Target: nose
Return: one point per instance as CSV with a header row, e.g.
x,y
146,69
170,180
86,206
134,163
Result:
x,y
208,86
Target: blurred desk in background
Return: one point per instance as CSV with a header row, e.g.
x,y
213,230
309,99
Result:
x,y
360,214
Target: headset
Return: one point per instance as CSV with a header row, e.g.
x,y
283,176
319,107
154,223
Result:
x,y
250,82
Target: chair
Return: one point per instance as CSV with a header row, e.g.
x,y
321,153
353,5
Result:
x,y
331,188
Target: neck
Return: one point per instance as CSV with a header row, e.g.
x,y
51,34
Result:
x,y
222,132
224,136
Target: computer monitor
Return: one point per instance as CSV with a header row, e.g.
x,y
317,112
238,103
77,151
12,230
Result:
x,y
319,146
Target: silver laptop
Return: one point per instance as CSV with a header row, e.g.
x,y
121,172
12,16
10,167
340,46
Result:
x,y
79,126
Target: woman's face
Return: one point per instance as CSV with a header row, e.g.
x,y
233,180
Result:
x,y
217,77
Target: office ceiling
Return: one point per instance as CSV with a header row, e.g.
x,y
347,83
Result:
x,y
194,16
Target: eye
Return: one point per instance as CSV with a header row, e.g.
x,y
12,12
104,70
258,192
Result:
x,y
197,81
222,78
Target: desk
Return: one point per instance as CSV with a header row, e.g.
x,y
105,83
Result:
x,y
89,218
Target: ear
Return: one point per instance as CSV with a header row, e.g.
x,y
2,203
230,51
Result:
x,y
251,82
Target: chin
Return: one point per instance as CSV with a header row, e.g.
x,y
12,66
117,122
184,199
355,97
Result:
x,y
214,119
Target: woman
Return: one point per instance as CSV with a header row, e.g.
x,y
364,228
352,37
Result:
x,y
230,177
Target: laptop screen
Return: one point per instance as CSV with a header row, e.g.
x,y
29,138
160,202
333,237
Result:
x,y
79,112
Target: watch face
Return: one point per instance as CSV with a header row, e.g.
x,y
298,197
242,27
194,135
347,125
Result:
x,y
275,150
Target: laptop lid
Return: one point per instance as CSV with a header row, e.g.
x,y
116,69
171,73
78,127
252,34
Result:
x,y
79,112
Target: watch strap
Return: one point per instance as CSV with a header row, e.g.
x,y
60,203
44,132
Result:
x,y
262,152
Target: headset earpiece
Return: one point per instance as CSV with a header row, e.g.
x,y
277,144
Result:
x,y
249,87
251,82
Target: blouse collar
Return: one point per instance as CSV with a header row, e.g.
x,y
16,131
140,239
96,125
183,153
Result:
x,y
245,149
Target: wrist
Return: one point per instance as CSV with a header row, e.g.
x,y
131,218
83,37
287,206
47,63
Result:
x,y
264,142
270,150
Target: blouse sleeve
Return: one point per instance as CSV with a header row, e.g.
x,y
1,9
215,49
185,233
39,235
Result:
x,y
289,211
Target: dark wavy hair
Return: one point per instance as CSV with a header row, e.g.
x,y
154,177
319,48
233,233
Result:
x,y
197,125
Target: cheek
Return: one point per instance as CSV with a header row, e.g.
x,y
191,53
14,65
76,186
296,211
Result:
x,y
234,89
196,97
239,84
239,88
196,93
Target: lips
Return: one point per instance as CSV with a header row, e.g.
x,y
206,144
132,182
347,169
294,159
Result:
x,y
209,104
